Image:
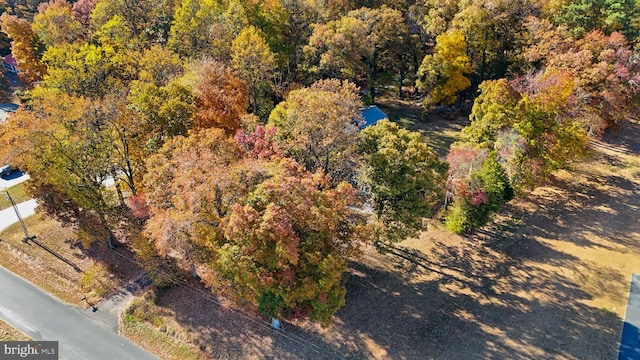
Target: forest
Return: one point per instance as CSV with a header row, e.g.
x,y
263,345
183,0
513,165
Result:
x,y
232,128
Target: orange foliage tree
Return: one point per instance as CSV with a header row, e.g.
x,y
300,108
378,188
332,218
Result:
x,y
221,98
265,232
24,45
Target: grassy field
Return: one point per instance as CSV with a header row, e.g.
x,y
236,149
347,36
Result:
x,y
440,130
16,192
547,279
53,275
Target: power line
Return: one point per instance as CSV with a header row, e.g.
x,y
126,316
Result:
x,y
301,341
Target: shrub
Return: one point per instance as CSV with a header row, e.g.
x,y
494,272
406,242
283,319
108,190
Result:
x,y
484,191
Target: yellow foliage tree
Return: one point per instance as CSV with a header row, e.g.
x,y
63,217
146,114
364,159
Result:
x,y
24,46
442,73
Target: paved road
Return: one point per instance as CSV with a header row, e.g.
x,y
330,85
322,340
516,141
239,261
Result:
x,y
8,216
630,339
42,317
27,208
16,177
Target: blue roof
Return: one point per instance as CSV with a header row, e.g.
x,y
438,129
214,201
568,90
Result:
x,y
372,114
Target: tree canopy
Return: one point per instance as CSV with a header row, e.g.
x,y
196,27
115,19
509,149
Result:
x,y
266,232
232,129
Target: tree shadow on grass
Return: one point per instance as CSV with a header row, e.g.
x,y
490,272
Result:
x,y
600,212
456,317
623,137
445,305
224,333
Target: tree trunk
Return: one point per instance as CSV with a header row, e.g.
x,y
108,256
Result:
x,y
116,183
103,221
401,81
372,79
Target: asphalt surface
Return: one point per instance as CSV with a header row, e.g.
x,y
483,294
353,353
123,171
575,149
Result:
x,y
44,318
8,216
15,178
81,334
630,339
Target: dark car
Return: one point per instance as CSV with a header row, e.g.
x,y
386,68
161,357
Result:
x,y
5,170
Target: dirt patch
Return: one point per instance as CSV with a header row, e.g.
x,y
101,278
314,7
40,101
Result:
x,y
441,127
548,279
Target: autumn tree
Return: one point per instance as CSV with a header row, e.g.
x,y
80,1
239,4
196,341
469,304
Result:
x,y
318,127
582,16
88,70
271,17
286,246
161,111
493,109
82,11
123,134
189,34
191,183
266,233
436,15
147,20
337,49
232,20
61,143
530,129
492,30
603,68
301,15
403,177
24,46
363,45
159,66
55,23
254,63
221,98
442,74
477,184
388,35
261,143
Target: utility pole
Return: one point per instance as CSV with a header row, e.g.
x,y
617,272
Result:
x,y
32,238
27,237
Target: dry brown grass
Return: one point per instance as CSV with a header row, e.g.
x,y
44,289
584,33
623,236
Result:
x,y
8,333
44,270
153,328
548,279
17,193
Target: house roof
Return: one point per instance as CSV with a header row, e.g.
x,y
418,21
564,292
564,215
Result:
x,y
372,114
9,59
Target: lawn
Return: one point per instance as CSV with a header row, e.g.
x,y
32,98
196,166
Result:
x,y
55,276
548,278
17,193
440,130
